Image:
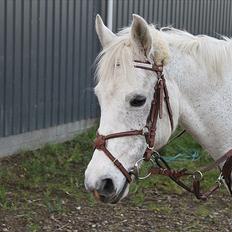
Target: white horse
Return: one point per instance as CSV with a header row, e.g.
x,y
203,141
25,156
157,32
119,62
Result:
x,y
198,72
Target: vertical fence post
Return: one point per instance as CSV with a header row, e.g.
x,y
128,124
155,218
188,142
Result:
x,y
110,6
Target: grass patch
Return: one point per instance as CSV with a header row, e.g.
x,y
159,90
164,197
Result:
x,y
202,211
47,177
34,227
53,173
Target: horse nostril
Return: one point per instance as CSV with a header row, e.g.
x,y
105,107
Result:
x,y
107,187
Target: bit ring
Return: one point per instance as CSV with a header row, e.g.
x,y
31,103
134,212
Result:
x,y
135,170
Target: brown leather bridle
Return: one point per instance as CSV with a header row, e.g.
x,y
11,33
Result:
x,y
149,132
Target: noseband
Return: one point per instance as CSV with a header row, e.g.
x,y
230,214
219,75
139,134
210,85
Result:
x,y
149,131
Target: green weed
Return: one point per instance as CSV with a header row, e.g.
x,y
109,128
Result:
x,y
56,172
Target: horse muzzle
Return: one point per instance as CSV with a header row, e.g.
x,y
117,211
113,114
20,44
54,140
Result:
x,y
107,194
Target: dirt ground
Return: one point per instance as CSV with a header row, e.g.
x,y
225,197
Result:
x,y
43,191
171,213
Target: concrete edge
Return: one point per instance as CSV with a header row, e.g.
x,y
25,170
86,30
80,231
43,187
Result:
x,y
36,139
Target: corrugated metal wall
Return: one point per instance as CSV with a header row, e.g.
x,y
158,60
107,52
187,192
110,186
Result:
x,y
47,50
211,17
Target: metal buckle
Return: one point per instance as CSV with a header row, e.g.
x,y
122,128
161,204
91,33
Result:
x,y
151,148
145,130
220,180
197,175
156,154
135,170
160,78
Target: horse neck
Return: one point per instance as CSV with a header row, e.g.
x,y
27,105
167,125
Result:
x,y
205,104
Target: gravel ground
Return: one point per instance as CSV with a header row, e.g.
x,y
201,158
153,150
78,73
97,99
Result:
x,y
169,213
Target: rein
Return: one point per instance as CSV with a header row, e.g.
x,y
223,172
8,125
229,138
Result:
x,y
159,165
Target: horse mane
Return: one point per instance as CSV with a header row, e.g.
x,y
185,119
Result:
x,y
216,54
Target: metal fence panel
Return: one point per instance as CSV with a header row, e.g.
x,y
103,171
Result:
x,y
196,16
47,48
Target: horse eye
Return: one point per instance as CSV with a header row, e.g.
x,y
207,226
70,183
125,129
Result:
x,y
138,100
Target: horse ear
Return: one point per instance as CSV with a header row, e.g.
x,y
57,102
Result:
x,y
140,34
105,35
